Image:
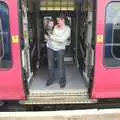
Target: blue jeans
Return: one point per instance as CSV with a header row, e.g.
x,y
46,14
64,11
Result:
x,y
56,58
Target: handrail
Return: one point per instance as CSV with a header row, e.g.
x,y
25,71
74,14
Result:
x,y
82,51
33,51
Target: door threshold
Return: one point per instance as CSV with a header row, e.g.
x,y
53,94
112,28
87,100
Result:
x,y
62,92
79,96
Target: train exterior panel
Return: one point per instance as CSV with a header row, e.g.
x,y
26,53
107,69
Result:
x,y
11,87
106,79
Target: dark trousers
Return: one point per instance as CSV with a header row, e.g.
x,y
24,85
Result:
x,y
56,58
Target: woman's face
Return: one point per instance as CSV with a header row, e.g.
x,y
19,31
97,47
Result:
x,y
60,22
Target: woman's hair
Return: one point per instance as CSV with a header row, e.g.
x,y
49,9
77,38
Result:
x,y
62,16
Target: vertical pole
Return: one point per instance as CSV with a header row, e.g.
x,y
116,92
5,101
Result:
x,y
38,31
76,34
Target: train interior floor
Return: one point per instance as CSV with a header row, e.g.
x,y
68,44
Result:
x,y
73,76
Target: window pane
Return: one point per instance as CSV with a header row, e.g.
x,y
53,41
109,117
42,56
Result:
x,y
1,41
109,60
116,51
112,35
5,42
116,38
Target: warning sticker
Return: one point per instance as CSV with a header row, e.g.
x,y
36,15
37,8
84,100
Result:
x,y
99,38
15,39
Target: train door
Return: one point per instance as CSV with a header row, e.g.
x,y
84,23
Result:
x,y
86,38
106,82
11,83
26,64
89,59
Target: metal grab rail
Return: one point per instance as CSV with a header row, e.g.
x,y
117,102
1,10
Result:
x,y
33,51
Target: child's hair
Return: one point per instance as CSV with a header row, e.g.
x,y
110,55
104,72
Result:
x,y
50,20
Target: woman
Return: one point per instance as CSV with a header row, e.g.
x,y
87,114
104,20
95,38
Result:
x,y
56,49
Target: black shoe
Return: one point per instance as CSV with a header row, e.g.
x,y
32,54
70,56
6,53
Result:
x,y
62,83
49,82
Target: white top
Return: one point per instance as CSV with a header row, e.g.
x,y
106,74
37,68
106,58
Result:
x,y
59,38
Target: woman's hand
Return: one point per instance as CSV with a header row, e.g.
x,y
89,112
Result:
x,y
52,37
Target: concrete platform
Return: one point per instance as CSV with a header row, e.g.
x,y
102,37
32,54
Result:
x,y
94,114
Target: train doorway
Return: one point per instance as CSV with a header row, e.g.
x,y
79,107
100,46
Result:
x,y
79,55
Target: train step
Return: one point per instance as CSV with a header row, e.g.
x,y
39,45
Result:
x,y
58,97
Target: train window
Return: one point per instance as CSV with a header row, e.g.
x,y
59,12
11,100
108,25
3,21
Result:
x,y
112,35
5,41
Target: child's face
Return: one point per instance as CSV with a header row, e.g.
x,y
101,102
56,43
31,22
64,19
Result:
x,y
50,23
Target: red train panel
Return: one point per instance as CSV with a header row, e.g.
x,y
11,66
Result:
x,y
106,80
11,83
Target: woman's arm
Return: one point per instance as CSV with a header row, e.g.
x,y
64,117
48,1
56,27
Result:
x,y
61,37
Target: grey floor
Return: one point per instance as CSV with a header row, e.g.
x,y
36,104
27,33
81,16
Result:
x,y
73,77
